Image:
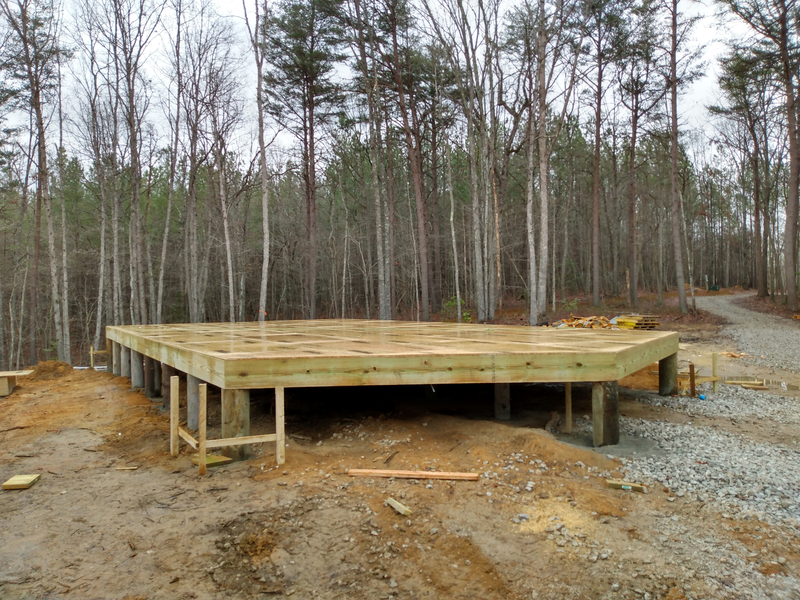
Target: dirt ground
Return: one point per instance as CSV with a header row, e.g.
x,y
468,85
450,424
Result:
x,y
308,530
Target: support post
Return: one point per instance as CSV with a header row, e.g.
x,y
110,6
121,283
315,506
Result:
x,y
157,379
236,421
692,387
149,377
201,434
668,375
125,361
280,432
192,402
174,414
116,368
167,373
502,401
568,407
137,370
605,413
715,370
91,356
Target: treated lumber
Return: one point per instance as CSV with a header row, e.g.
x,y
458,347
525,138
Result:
x,y
412,474
21,482
715,371
668,375
187,437
605,413
399,507
626,485
149,377
211,460
502,401
280,433
236,421
116,368
8,380
568,407
237,441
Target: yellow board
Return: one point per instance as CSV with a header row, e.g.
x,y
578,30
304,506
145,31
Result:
x,y
212,460
21,482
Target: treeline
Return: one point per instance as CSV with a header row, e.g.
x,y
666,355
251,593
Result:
x,y
162,162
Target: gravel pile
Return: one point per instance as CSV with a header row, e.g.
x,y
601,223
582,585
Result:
x,y
758,334
733,402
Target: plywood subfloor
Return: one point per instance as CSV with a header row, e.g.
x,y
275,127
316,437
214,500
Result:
x,y
361,352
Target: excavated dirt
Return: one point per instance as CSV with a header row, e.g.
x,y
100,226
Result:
x,y
308,530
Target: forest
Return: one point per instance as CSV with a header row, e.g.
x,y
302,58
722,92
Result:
x,y
181,161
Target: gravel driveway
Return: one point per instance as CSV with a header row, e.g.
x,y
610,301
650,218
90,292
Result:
x,y
760,335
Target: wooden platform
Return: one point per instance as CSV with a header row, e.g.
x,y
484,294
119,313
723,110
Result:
x,y
8,380
281,354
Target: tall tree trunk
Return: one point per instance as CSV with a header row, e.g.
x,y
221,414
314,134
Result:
x,y
673,177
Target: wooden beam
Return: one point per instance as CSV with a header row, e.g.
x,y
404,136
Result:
x,y
137,370
238,441
605,413
412,474
280,432
692,385
236,421
192,402
201,434
568,407
715,371
502,401
668,375
174,414
188,437
149,377
125,361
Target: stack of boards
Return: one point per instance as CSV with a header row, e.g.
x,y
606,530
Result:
x,y
21,482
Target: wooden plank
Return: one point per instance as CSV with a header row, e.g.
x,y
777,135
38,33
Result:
x,y
626,485
502,401
174,415
754,386
605,413
715,371
187,437
280,433
668,375
212,460
21,482
236,421
201,434
568,408
238,441
23,373
412,474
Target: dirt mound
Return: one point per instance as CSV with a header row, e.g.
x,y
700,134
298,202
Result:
x,y
51,369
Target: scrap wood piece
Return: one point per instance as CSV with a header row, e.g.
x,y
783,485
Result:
x,y
626,485
212,460
127,468
21,482
734,354
400,508
754,386
412,474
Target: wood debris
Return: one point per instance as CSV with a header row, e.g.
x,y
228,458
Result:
x,y
412,474
646,322
585,323
400,508
21,482
626,485
733,354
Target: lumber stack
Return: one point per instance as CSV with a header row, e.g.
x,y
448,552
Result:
x,y
637,322
586,323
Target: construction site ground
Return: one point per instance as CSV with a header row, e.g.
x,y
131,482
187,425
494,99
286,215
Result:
x,y
89,529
